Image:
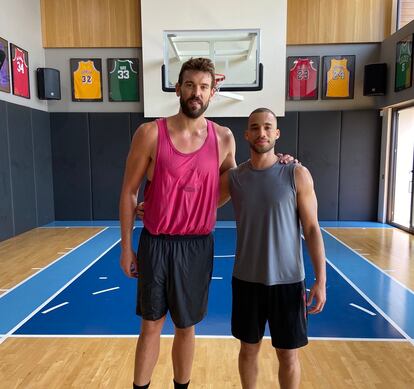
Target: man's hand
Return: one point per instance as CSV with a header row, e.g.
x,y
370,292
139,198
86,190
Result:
x,y
139,210
286,159
318,292
129,263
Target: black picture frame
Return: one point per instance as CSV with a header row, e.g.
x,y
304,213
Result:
x,y
81,65
338,77
301,69
20,71
4,66
118,92
404,63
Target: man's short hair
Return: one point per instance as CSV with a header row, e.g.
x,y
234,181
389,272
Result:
x,y
260,110
198,65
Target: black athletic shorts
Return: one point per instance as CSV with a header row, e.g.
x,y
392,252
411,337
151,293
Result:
x,y
283,306
174,273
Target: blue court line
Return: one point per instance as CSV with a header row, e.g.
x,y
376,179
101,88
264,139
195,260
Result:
x,y
21,301
395,300
219,224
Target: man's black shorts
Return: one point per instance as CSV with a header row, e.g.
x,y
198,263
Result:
x,y
174,273
283,306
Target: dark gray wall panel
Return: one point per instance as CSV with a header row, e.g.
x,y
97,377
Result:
x,y
6,210
42,150
359,165
318,150
110,140
22,170
71,166
288,141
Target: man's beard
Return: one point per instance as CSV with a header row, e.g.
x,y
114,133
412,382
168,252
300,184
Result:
x,y
192,113
262,149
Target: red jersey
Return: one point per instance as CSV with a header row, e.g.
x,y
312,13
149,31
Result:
x,y
183,195
20,74
303,79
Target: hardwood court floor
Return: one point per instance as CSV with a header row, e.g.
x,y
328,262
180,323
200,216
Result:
x,y
49,363
21,255
390,249
41,363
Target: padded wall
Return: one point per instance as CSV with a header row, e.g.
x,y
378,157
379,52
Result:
x,y
89,152
26,188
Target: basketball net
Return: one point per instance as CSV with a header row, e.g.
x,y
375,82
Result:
x,y
219,81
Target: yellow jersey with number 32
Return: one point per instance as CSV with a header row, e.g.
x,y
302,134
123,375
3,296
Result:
x,y
87,81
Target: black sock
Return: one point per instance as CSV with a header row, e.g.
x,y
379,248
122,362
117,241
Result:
x,y
141,387
181,386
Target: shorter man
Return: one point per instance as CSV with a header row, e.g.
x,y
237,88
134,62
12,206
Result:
x,y
271,201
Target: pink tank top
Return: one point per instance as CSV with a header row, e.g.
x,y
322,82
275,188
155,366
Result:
x,y
183,195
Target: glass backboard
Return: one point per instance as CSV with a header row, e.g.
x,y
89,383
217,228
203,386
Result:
x,y
235,54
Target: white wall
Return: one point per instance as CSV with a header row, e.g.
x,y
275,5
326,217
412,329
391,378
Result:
x,y
267,15
20,23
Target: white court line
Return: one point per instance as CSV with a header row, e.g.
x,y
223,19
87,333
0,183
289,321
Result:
x,y
103,278
5,336
392,322
390,270
203,337
363,309
37,268
4,290
105,290
372,263
50,264
224,256
55,307
216,278
366,254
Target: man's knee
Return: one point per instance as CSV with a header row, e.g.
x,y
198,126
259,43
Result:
x,y
249,350
187,332
288,358
152,327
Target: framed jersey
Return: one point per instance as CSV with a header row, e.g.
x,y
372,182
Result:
x,y
302,78
20,71
4,66
123,79
338,77
86,76
404,64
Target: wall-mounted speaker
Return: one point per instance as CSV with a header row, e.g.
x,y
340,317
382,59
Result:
x,y
375,79
48,84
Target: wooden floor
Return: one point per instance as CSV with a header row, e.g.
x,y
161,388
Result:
x,y
390,249
49,363
26,254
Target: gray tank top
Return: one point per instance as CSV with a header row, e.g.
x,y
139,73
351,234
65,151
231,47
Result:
x,y
269,247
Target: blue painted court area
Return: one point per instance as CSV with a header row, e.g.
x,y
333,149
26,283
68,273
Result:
x,y
101,301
